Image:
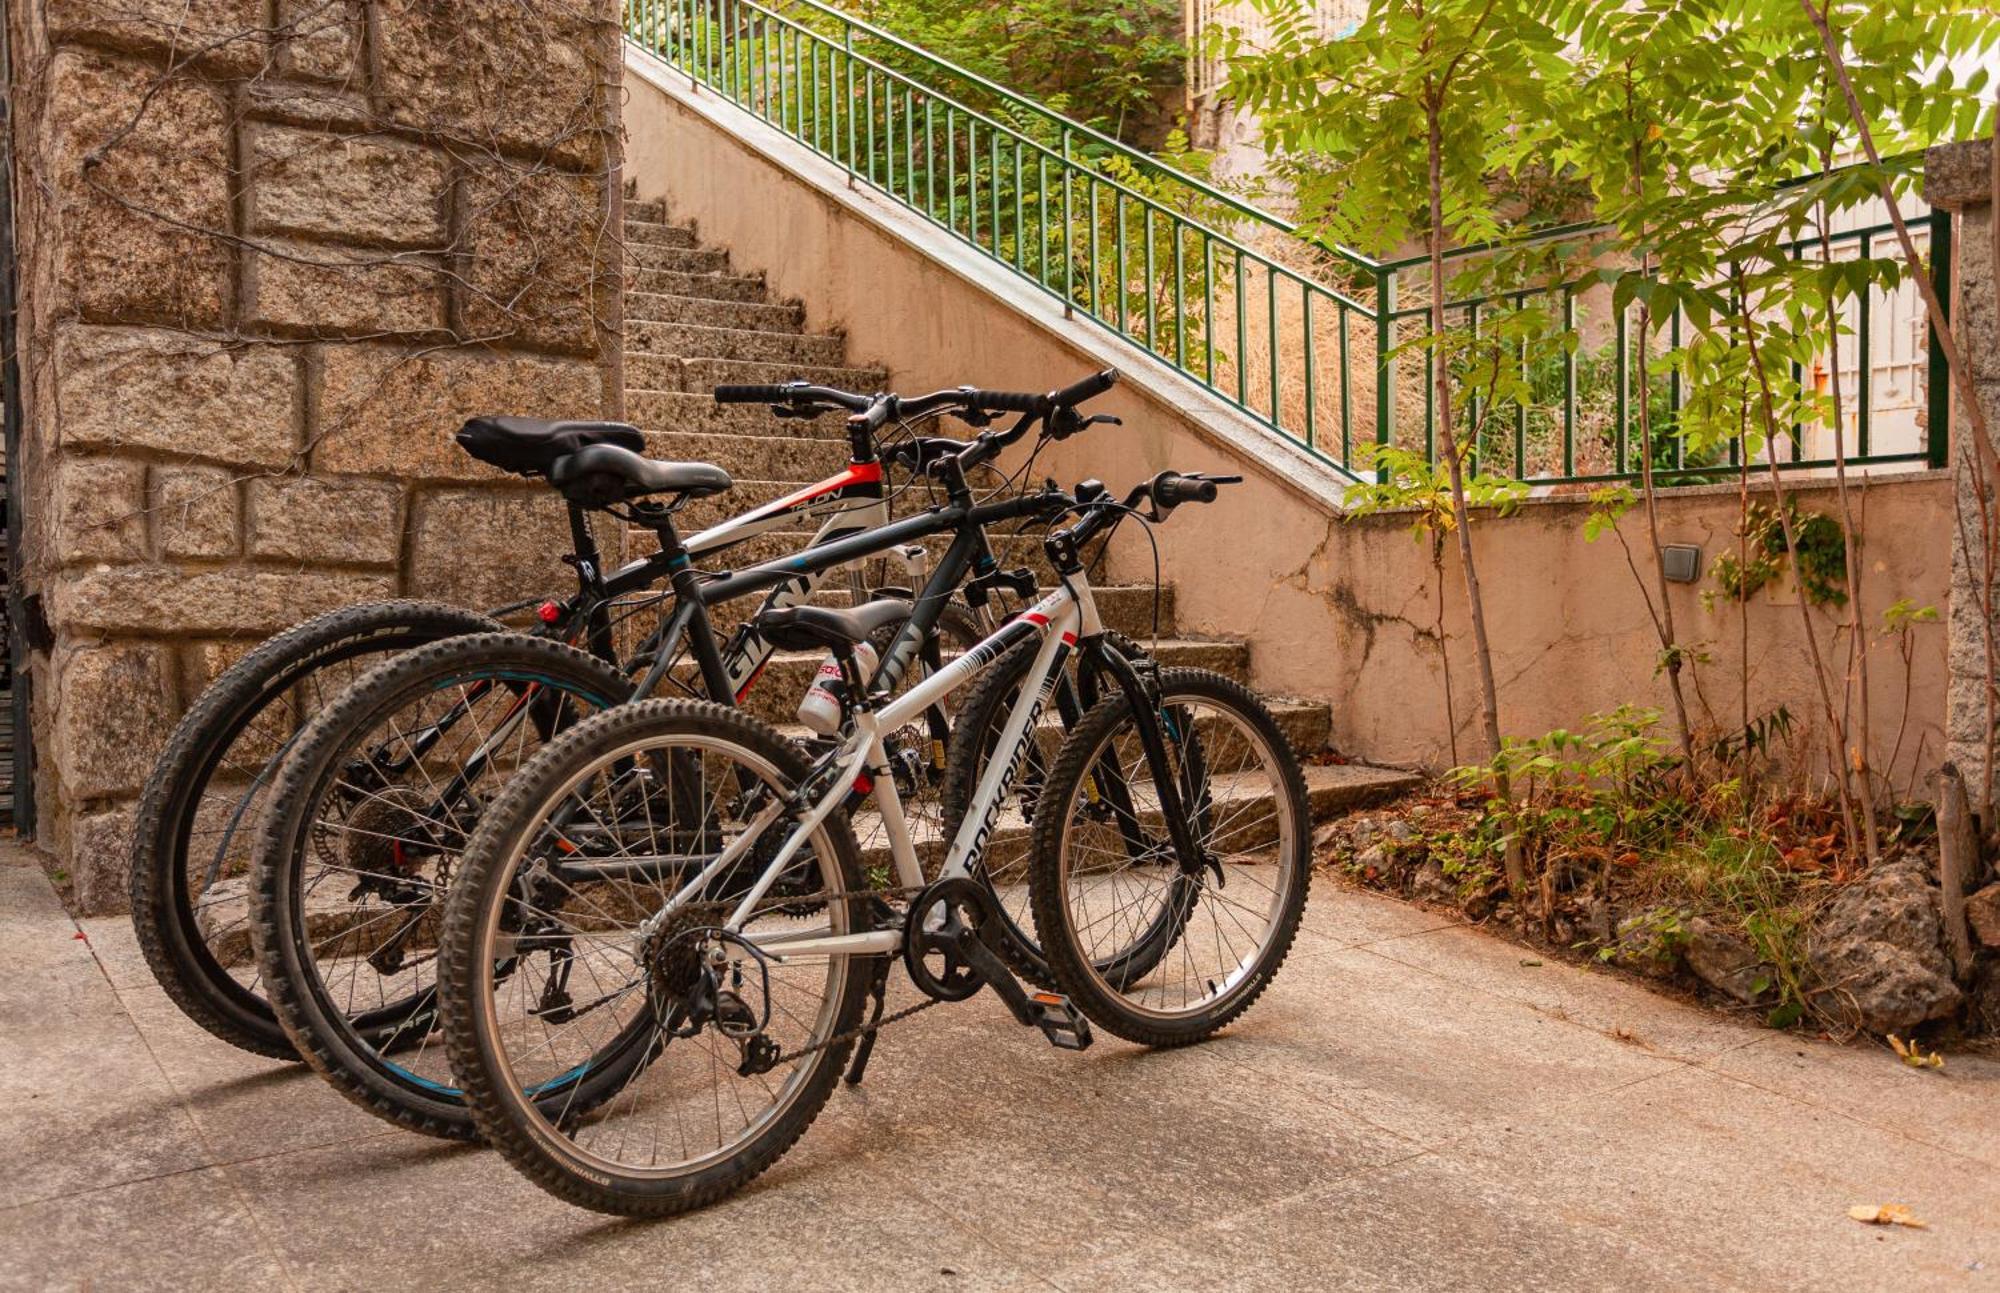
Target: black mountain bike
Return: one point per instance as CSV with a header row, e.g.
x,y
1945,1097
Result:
x,y
381,789
198,813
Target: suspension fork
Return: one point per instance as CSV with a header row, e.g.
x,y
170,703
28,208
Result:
x,y
1145,714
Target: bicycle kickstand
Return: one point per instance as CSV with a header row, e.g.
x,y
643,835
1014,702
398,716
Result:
x,y
878,990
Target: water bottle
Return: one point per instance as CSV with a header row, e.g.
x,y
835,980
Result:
x,y
825,701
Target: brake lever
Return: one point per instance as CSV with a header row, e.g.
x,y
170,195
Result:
x,y
1108,419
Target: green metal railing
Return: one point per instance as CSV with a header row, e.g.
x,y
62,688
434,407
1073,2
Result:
x,y
1310,339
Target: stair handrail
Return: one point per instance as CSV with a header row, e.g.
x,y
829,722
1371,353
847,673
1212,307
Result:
x,y
1080,130
728,45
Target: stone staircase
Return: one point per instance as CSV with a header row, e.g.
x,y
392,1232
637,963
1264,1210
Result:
x,y
692,321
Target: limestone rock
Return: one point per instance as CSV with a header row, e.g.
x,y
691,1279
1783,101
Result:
x,y
320,39
374,191
139,179
1726,962
541,272
100,510
114,712
1982,912
1644,942
479,549
148,388
195,512
146,599
317,290
1428,881
493,71
226,35
1877,952
100,861
390,412
342,522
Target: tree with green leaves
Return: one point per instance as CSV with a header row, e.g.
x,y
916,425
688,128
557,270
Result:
x,y
1405,124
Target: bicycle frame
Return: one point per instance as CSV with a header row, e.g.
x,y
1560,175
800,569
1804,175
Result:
x,y
1061,619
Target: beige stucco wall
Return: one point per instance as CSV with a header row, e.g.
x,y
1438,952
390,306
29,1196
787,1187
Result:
x,y
1334,609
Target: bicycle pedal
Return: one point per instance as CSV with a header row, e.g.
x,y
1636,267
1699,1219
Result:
x,y
1060,1021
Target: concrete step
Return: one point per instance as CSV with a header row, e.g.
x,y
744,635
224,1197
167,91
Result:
x,y
1011,551
685,260
714,287
1126,608
774,457
1330,791
660,373
683,412
658,307
656,233
697,341
655,211
785,679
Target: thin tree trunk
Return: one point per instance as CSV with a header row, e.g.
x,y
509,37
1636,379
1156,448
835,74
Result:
x,y
1958,863
1669,643
1743,602
1444,654
1489,701
1985,456
1837,739
1857,622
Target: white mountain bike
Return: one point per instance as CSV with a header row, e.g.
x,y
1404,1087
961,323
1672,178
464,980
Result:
x,y
714,1016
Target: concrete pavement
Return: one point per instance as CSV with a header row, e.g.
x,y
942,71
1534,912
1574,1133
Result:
x,y
1414,1105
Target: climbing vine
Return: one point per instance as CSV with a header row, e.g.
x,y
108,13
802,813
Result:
x,y
1819,561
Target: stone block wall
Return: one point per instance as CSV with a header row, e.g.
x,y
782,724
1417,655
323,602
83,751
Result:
x,y
272,253
1959,178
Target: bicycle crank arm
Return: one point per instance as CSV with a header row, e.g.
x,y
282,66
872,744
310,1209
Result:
x,y
1059,1021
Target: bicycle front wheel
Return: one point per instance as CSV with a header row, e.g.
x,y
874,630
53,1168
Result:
x,y
1154,949
595,906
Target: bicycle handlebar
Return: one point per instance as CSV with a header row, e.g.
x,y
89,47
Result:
x,y
869,413
793,394
881,407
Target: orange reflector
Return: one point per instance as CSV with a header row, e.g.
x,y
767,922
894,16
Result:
x,y
1048,998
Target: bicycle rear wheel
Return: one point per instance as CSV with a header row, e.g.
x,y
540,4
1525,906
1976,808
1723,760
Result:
x,y
370,814
203,803
596,849
1149,949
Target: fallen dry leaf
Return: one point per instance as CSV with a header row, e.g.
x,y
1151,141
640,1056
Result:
x,y
1887,1214
1913,1055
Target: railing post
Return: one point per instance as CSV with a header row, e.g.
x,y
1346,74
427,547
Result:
x,y
1937,401
1069,231
1385,371
847,45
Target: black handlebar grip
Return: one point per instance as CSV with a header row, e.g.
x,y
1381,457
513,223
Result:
x,y
752,394
1004,401
1172,490
1089,388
